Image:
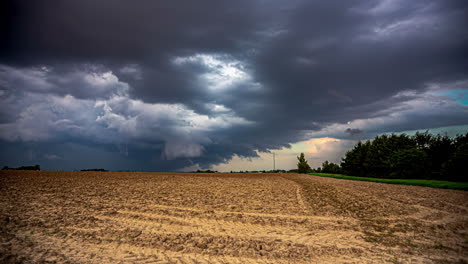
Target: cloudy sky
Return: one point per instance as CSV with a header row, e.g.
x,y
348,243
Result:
x,y
181,85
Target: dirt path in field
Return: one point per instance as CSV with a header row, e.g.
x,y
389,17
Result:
x,y
75,217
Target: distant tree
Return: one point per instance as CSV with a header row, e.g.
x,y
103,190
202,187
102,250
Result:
x,y
330,167
302,165
94,170
35,167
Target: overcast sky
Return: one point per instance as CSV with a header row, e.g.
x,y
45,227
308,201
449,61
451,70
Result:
x,y
181,85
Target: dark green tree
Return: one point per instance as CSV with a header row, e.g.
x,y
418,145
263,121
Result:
x,y
408,163
439,152
302,165
401,156
355,160
380,151
330,167
455,168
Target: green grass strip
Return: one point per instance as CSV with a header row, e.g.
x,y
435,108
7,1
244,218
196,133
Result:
x,y
425,183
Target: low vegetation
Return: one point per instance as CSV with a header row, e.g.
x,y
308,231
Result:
x,y
417,182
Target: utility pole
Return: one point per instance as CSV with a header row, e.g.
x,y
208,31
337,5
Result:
x,y
273,161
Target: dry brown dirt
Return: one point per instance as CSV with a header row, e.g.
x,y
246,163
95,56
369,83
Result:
x,y
109,217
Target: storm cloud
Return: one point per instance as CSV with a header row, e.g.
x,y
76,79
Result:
x,y
170,85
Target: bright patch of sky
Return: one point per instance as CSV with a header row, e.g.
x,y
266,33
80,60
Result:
x,y
316,151
460,96
222,72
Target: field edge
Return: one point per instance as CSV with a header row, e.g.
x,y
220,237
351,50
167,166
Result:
x,y
463,186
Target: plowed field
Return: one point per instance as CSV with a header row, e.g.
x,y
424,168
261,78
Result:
x,y
107,217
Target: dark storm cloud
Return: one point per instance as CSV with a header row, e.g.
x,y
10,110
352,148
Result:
x,y
84,82
184,83
353,131
119,30
337,58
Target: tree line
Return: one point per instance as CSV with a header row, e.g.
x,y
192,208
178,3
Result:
x,y
35,167
421,156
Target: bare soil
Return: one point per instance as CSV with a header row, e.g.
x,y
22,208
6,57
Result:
x,y
108,217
